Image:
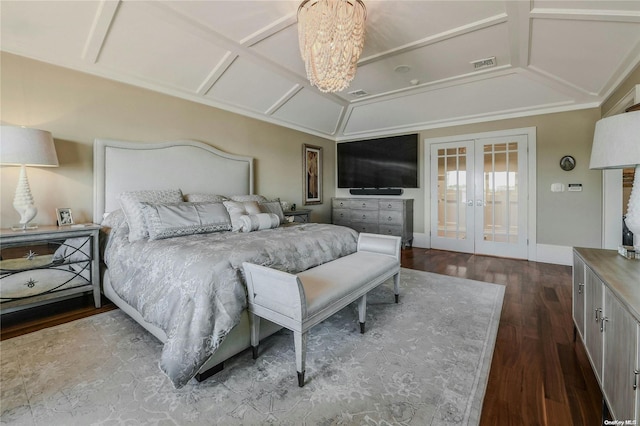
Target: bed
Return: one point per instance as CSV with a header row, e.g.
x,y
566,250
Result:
x,y
189,291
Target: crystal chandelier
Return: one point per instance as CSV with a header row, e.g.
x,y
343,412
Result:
x,y
331,35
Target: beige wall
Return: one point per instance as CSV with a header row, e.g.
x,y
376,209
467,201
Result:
x,y
561,217
77,108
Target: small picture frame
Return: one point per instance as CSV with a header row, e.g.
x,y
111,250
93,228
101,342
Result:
x,y
312,172
65,217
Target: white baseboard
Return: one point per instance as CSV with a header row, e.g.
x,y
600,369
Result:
x,y
558,255
421,240
545,253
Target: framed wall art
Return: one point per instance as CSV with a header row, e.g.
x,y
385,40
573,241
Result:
x,y
64,216
312,172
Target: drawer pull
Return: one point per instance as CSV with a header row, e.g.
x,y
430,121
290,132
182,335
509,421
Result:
x,y
580,288
364,216
635,378
389,218
364,204
389,206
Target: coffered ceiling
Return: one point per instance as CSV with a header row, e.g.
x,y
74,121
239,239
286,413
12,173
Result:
x,y
416,70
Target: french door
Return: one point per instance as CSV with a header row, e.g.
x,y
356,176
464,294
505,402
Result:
x,y
479,194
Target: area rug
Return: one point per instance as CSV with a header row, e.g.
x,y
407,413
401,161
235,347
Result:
x,y
423,361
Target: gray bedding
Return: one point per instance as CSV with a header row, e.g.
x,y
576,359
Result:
x,y
192,287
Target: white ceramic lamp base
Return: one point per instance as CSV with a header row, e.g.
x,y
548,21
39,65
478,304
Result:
x,y
23,202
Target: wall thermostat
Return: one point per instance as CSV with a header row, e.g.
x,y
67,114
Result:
x,y
574,187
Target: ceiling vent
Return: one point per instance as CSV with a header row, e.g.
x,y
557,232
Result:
x,y
358,93
484,63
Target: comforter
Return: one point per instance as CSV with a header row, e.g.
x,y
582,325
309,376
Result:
x,y
193,288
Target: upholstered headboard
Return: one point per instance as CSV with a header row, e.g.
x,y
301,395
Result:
x,y
191,166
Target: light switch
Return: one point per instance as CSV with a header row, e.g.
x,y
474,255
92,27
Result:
x,y
557,187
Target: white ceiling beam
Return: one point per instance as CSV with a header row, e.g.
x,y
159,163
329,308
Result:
x,y
216,73
455,32
587,15
266,32
519,27
284,99
105,15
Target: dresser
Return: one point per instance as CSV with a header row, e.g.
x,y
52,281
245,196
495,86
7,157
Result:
x,y
606,315
375,215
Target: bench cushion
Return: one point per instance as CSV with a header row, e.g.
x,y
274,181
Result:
x,y
332,281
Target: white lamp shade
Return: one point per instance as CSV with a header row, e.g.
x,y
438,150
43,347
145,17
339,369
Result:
x,y
25,146
616,142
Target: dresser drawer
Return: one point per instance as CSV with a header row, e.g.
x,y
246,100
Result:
x,y
390,230
340,203
363,204
341,216
391,205
391,217
371,228
364,216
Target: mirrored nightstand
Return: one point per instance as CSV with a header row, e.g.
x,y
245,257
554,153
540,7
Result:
x,y
299,215
47,264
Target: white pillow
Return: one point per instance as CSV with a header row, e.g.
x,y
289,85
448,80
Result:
x,y
251,197
131,203
258,222
240,208
201,198
273,207
177,219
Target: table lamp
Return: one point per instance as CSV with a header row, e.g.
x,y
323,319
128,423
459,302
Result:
x,y
616,145
21,146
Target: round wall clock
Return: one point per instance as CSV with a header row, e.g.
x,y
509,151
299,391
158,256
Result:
x,y
567,163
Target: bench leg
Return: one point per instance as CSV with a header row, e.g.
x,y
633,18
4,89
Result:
x,y
300,342
254,324
362,312
396,285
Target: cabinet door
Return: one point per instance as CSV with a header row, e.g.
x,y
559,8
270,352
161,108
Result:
x,y
620,345
593,316
578,295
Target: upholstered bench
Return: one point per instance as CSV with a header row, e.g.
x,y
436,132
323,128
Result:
x,y
298,302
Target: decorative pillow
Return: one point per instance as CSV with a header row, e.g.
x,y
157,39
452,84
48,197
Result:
x,y
113,219
202,198
240,208
131,203
258,222
252,197
273,207
177,219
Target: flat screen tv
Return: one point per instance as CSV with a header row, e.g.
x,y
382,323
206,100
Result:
x,y
390,162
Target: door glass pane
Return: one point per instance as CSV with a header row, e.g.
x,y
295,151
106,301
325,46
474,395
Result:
x,y
452,196
501,193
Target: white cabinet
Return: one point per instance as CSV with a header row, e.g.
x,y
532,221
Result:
x,y
578,296
620,363
593,326
611,324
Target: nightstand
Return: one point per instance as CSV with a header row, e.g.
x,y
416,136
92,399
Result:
x,y
47,264
300,215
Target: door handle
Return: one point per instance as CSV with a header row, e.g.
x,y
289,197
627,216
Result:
x,y
480,203
470,203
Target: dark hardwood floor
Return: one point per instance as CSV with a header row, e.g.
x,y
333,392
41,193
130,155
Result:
x,y
539,376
